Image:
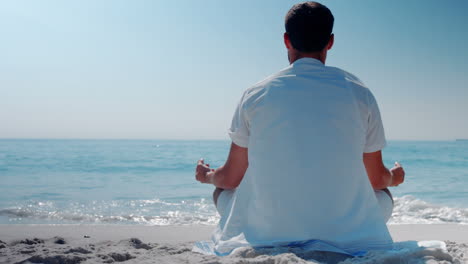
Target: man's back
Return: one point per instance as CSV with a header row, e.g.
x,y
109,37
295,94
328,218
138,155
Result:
x,y
306,154
306,130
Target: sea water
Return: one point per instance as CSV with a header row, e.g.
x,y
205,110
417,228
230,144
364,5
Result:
x,y
152,182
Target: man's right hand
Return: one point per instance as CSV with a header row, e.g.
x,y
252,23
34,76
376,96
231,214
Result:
x,y
379,176
398,174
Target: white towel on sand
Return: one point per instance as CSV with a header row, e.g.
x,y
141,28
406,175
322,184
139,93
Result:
x,y
401,252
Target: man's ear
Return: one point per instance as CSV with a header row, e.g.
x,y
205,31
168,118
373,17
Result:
x,y
331,41
287,42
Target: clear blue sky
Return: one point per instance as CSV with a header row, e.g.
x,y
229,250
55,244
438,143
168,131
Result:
x,y
176,69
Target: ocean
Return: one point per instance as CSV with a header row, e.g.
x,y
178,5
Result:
x,y
151,182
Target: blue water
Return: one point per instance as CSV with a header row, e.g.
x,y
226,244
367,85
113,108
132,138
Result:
x,y
152,181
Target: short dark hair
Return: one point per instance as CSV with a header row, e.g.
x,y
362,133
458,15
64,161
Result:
x,y
309,26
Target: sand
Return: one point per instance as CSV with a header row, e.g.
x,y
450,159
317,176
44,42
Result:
x,y
145,244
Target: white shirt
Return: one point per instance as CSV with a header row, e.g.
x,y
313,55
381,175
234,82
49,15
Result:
x,y
306,129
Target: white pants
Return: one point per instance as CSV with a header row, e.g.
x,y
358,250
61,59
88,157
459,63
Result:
x,y
384,200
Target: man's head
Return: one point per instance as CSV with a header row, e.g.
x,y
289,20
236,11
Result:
x,y
309,28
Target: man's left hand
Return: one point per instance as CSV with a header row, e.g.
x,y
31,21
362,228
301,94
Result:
x,y
202,170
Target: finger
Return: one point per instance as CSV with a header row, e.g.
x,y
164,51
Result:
x,y
397,164
399,172
201,161
199,176
201,168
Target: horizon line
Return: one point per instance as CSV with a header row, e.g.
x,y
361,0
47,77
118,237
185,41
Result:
x,y
195,139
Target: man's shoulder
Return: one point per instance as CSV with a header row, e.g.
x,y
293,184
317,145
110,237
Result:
x,y
359,89
264,84
347,76
262,87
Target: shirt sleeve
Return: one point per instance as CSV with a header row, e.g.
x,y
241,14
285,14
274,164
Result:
x,y
375,136
239,131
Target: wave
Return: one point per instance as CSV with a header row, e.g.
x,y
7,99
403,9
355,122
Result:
x,y
410,210
192,210
146,212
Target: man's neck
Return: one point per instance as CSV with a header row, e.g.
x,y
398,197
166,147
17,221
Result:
x,y
321,56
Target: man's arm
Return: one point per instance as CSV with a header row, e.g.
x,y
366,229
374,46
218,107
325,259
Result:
x,y
228,176
379,176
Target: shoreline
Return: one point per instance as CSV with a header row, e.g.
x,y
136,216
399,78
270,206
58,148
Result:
x,y
172,233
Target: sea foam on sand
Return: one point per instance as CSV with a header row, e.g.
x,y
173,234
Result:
x,y
173,244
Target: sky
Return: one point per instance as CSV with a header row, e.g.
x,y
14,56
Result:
x,y
177,69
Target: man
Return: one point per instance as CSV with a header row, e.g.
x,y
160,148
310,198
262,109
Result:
x,y
305,162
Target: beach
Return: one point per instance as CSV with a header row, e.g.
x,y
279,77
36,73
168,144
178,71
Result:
x,y
173,244
107,107
136,201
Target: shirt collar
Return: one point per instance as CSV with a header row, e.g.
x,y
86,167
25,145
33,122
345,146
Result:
x,y
307,60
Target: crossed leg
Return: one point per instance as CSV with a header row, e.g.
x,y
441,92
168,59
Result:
x,y
216,194
384,199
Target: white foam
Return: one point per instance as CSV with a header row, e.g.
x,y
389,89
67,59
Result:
x,y
407,210
410,210
146,212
